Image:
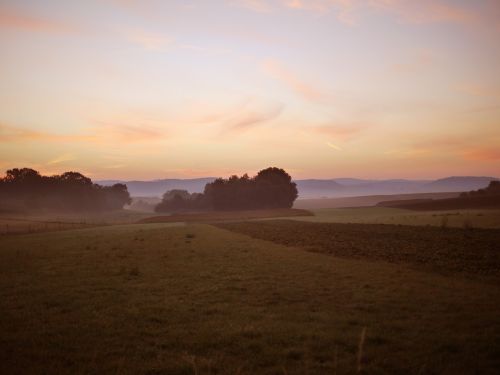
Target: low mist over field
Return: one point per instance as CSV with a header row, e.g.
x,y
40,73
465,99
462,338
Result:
x,y
243,187
321,188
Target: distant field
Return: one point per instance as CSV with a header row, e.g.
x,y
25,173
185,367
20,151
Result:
x,y
484,202
196,299
11,223
384,215
473,252
364,201
227,215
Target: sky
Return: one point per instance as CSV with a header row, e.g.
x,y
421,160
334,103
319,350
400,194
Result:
x,y
125,89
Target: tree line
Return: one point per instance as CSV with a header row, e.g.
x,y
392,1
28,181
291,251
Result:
x,y
493,189
27,189
270,188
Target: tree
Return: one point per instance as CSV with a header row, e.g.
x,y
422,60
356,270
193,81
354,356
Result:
x,y
271,188
26,189
180,200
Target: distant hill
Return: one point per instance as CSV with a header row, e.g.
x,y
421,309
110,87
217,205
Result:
x,y
459,183
322,188
156,188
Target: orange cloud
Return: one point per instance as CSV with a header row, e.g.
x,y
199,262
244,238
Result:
x,y
61,159
482,154
14,19
15,134
278,71
127,133
103,133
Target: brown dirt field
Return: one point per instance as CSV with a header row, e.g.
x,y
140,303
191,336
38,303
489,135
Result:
x,y
226,215
479,202
469,251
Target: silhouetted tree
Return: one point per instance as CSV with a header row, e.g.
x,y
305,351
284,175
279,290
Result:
x,y
492,189
180,200
271,188
26,189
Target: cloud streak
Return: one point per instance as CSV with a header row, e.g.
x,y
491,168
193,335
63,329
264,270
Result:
x,y
350,11
10,133
304,89
252,117
61,159
16,20
102,132
150,41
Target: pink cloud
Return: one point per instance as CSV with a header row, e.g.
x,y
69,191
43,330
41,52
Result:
x,y
425,11
339,132
149,40
17,20
278,71
252,117
348,11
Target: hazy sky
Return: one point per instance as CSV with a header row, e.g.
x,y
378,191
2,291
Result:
x,y
183,88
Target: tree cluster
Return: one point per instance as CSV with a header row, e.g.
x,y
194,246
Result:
x,y
492,189
270,188
27,189
181,200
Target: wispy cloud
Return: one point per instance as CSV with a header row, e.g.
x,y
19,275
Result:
x,y
261,6
252,117
485,154
425,11
239,118
10,133
151,41
127,133
15,19
350,11
334,146
416,62
279,71
480,90
338,132
101,132
61,159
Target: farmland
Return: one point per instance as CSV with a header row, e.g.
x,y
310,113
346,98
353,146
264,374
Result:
x,y
173,298
384,215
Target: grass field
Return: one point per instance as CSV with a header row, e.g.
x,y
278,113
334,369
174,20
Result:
x,y
384,215
197,299
19,223
212,216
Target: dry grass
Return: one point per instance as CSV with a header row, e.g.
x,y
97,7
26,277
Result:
x,y
226,215
158,299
